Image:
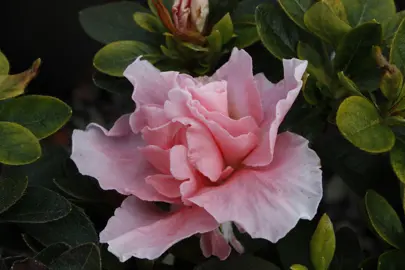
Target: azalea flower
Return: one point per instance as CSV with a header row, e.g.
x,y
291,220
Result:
x,y
210,148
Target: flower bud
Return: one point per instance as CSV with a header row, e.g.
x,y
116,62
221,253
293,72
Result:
x,y
391,83
190,15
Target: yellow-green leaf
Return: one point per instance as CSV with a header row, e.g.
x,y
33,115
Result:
x,y
225,28
298,267
323,244
360,123
397,157
4,65
149,22
295,9
315,62
397,53
349,85
384,219
18,146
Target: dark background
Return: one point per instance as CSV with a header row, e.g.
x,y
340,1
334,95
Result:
x,y
50,30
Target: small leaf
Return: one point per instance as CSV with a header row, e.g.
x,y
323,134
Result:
x,y
243,262
397,54
321,21
225,28
278,33
295,9
38,205
74,229
14,85
298,267
4,65
349,85
315,62
149,22
360,11
391,260
18,145
115,85
42,115
11,190
390,27
360,123
310,90
384,219
357,45
86,256
323,243
50,253
215,41
114,22
115,57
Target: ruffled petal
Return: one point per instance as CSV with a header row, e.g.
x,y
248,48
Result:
x,y
139,229
113,158
213,96
159,158
243,96
165,185
274,197
214,244
277,100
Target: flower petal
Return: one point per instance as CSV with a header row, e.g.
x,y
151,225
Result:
x,y
114,159
243,96
213,96
165,185
141,230
275,197
159,158
277,100
214,243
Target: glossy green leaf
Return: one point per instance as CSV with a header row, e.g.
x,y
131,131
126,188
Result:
x,y
18,145
114,22
81,187
243,262
115,85
85,256
38,205
348,254
315,62
11,190
246,34
50,253
4,64
337,8
115,57
149,22
323,243
360,11
298,267
391,260
397,53
278,33
321,21
295,9
360,123
74,229
349,85
31,243
357,45
14,85
225,28
42,115
384,219
390,27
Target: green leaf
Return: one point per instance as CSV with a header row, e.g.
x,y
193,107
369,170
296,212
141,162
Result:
x,y
18,145
38,205
85,256
81,187
360,11
42,115
390,27
310,89
120,86
295,9
114,22
322,245
357,45
349,85
219,8
50,253
298,267
360,123
337,8
14,85
348,254
4,65
278,33
315,62
246,35
11,190
225,28
115,57
243,262
397,54
391,260
215,41
74,229
149,22
321,21
391,84
384,219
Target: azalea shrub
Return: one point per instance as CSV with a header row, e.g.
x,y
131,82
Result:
x,y
258,135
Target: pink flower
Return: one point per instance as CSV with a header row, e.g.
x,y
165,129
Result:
x,y
190,14
209,147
